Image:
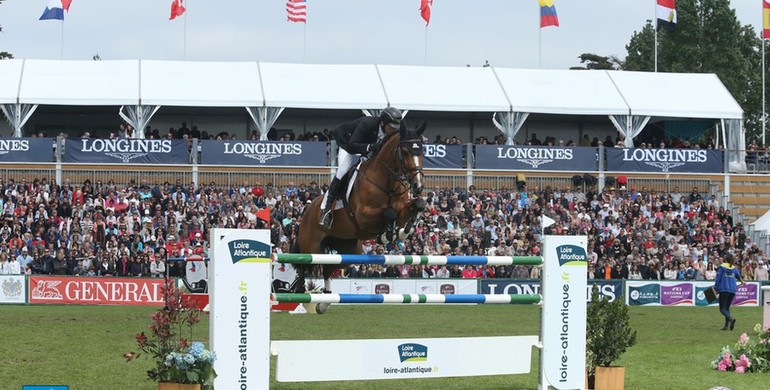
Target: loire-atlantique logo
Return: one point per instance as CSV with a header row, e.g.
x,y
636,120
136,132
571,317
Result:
x,y
571,255
249,251
412,352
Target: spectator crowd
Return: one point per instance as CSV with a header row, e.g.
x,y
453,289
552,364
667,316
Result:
x,y
132,229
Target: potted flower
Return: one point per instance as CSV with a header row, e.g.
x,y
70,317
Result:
x,y
608,335
179,363
748,354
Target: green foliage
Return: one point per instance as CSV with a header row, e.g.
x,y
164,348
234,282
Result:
x,y
708,38
608,331
593,61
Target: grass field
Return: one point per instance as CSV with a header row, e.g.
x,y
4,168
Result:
x,y
82,346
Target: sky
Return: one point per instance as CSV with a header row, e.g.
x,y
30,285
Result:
x,y
461,32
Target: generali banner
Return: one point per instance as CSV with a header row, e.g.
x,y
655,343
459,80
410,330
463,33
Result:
x,y
664,160
95,291
34,150
264,153
541,158
127,151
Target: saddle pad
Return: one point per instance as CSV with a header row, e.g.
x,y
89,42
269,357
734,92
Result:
x,y
338,204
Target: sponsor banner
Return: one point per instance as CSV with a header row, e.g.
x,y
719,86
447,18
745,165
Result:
x,y
543,158
308,154
642,293
664,160
608,289
676,294
443,156
13,289
700,294
747,295
345,360
404,286
239,291
32,150
95,291
564,311
127,151
663,293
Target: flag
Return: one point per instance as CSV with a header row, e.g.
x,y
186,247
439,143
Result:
x,y
177,9
264,214
666,14
547,221
296,11
766,19
55,9
425,10
548,15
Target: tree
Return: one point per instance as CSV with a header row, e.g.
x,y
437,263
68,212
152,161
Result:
x,y
594,61
708,38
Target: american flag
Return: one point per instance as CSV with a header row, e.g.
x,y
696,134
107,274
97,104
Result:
x,y
297,11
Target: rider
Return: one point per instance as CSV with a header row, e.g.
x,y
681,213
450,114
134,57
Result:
x,y
359,137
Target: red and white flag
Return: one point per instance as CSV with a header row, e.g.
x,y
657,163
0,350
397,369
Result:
x,y
177,9
425,10
296,11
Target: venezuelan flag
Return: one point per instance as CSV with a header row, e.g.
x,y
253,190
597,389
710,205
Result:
x,y
548,15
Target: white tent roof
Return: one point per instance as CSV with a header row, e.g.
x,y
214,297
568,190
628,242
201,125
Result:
x,y
313,86
321,86
201,84
443,88
762,223
682,95
10,74
569,92
83,83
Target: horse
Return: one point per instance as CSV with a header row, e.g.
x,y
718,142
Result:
x,y
383,203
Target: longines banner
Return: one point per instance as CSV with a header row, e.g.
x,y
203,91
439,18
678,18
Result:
x,y
264,153
34,150
543,158
608,289
443,156
127,151
664,160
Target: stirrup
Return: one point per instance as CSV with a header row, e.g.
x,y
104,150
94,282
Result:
x,y
326,219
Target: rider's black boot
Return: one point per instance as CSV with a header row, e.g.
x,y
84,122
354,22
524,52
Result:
x,y
326,208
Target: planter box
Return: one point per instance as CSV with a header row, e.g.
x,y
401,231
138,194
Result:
x,y
610,378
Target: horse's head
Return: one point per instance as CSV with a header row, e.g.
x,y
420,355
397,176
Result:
x,y
410,155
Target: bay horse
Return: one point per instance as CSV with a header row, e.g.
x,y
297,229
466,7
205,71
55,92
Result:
x,y
383,203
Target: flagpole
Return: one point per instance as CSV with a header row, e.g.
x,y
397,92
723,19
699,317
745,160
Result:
x,y
764,109
540,48
655,18
425,60
61,44
184,39
304,42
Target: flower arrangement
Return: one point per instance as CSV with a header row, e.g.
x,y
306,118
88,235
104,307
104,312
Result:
x,y
747,355
177,360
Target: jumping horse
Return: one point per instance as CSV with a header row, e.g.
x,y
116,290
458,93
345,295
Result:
x,y
383,204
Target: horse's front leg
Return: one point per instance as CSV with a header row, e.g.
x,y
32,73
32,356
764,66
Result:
x,y
408,217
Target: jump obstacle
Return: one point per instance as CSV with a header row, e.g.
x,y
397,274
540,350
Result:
x,y
240,323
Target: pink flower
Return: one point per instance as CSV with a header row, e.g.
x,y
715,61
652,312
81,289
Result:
x,y
744,339
741,364
722,366
767,326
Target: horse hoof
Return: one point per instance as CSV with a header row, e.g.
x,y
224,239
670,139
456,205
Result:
x,y
321,308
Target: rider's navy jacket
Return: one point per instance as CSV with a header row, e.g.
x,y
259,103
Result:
x,y
356,135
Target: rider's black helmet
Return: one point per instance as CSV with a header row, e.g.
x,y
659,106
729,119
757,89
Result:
x,y
391,115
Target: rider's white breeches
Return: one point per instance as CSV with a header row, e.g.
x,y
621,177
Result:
x,y
345,160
